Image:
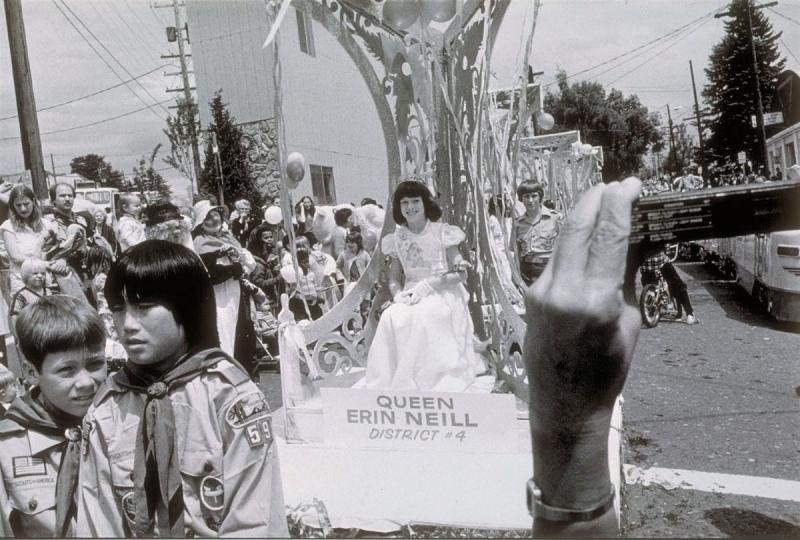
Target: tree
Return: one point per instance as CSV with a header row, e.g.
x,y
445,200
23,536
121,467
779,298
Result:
x,y
94,168
236,173
731,90
180,142
620,124
682,151
146,178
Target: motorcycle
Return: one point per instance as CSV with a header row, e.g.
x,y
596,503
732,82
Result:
x,y
656,301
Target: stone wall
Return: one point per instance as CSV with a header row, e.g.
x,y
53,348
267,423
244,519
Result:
x,y
260,142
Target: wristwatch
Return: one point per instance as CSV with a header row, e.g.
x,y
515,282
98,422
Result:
x,y
538,509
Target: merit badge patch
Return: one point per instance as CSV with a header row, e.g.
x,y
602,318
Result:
x,y
212,493
128,503
247,409
28,466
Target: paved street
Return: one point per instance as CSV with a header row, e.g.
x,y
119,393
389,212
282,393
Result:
x,y
717,397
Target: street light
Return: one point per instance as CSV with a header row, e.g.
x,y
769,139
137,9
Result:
x,y
762,133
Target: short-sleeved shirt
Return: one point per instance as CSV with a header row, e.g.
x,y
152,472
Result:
x,y
536,239
29,244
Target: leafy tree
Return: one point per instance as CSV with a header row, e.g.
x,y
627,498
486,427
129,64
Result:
x,y
146,178
94,168
178,133
731,89
236,173
620,124
682,151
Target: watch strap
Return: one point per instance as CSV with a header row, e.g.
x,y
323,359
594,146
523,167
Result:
x,y
538,509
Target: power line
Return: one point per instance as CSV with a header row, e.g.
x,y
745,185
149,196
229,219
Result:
x,y
90,124
785,46
109,66
778,13
640,47
119,44
662,51
146,91
98,92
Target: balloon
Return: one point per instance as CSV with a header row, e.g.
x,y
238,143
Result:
x,y
439,10
586,149
400,14
273,215
295,168
545,120
288,275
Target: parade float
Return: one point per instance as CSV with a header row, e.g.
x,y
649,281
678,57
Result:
x,y
378,459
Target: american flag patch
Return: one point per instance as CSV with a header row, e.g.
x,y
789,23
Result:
x,y
29,466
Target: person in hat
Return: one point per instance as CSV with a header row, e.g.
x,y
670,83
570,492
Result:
x,y
165,222
227,263
130,231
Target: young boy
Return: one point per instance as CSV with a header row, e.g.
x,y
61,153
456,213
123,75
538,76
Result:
x,y
62,340
179,440
130,231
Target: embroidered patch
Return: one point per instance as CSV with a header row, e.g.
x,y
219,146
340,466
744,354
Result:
x,y
29,466
259,432
247,409
212,493
128,503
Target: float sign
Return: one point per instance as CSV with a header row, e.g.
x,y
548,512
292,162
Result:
x,y
426,421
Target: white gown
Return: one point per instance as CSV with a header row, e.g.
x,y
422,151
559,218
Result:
x,y
428,345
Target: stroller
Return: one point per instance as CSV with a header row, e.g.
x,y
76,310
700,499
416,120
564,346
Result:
x,y
265,326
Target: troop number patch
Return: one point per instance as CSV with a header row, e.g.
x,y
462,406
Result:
x,y
247,409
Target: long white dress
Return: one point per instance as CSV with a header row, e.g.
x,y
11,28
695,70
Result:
x,y
428,345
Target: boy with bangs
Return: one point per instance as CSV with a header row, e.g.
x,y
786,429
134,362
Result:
x,y
180,440
63,342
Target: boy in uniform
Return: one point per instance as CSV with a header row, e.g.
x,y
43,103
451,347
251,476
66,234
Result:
x,y
63,341
180,440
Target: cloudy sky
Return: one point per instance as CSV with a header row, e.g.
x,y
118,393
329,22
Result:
x,y
640,47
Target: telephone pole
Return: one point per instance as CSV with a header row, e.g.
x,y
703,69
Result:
x,y
26,104
180,26
670,156
701,157
187,92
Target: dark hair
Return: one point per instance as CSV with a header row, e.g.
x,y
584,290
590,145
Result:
x,y
311,237
311,210
172,275
355,238
34,221
410,189
254,243
341,216
368,200
58,323
55,187
530,186
302,256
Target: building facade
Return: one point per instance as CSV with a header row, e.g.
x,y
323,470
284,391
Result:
x,y
327,111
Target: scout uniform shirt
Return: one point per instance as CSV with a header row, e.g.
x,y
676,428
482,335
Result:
x,y
535,241
229,470
29,462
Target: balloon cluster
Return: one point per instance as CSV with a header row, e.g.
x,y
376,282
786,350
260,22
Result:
x,y
401,14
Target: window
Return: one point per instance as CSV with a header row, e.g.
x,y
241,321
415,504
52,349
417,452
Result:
x,y
305,32
322,184
791,157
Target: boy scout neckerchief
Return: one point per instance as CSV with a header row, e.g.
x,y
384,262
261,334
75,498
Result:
x,y
30,412
156,473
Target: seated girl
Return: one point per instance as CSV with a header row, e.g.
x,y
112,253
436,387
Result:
x,y
424,340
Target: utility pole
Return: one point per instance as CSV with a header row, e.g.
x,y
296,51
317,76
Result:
x,y
701,158
26,104
187,94
671,140
53,165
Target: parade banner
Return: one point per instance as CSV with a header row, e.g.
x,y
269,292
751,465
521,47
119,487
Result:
x,y
419,420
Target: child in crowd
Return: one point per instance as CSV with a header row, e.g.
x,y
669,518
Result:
x,y
179,441
354,259
130,231
62,340
34,275
9,388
